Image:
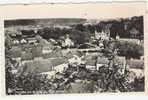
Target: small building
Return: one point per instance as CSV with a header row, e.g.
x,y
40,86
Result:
x,y
59,75
23,41
49,74
142,58
58,63
15,41
31,40
94,62
53,41
46,49
62,26
75,60
68,42
117,37
101,61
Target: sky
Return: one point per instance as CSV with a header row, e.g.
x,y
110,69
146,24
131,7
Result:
x,y
89,11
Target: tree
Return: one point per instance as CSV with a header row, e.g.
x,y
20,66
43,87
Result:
x,y
79,37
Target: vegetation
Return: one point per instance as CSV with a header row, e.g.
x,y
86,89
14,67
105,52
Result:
x,y
129,49
106,79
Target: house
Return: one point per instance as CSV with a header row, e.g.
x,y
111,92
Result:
x,y
36,30
68,42
53,41
117,37
93,62
31,40
46,49
70,55
90,62
58,63
61,67
15,41
49,74
142,58
102,61
43,41
23,41
75,60
62,26
59,75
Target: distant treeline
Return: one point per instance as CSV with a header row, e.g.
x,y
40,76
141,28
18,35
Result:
x,y
125,28
43,22
13,23
80,33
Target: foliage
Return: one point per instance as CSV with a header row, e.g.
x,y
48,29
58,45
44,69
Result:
x,y
130,50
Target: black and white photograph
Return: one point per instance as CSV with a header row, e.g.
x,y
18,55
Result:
x,y
74,55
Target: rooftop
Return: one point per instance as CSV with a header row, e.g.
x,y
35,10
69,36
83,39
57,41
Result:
x,y
42,65
38,66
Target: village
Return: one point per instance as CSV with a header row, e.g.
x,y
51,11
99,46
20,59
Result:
x,y
40,64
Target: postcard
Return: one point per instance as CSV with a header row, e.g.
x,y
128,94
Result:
x,y
95,48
